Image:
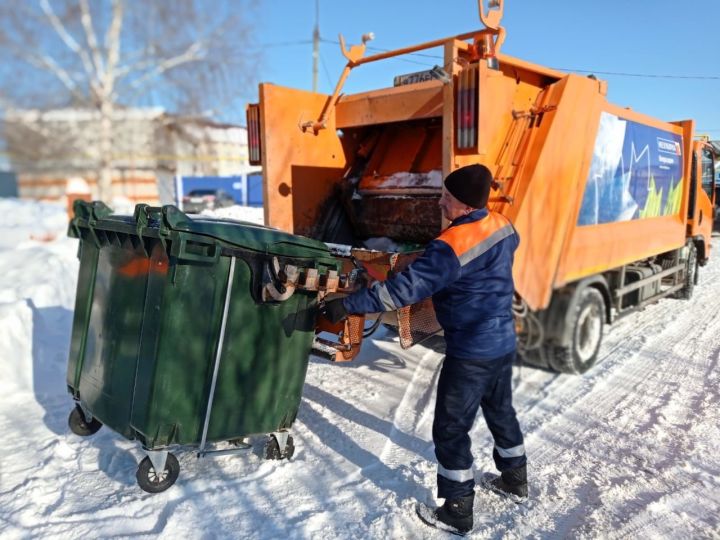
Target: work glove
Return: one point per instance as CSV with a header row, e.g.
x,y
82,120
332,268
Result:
x,y
334,310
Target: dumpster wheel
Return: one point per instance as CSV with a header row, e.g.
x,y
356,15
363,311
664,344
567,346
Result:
x,y
150,481
272,448
79,425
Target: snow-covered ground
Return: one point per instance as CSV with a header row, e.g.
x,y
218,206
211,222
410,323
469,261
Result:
x,y
630,450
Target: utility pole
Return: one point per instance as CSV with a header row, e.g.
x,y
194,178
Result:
x,y
316,45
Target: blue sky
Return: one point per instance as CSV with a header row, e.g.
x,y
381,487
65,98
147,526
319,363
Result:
x,y
644,37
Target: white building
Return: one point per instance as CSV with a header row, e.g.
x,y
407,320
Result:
x,y
149,148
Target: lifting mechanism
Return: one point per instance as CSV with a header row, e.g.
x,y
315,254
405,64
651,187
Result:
x,y
281,282
416,322
487,43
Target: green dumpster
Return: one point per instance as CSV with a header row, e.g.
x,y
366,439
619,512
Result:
x,y
173,341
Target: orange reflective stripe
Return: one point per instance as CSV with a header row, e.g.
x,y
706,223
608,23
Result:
x,y
463,238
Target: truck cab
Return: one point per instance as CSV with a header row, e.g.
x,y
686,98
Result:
x,y
715,145
702,203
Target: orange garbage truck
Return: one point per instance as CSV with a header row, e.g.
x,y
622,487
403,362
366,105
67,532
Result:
x,y
614,208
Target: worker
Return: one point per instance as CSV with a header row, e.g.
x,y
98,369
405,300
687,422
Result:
x,y
468,272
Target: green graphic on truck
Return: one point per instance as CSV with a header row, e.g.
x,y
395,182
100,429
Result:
x,y
635,173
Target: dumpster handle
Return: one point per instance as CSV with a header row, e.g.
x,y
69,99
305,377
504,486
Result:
x,y
218,354
212,255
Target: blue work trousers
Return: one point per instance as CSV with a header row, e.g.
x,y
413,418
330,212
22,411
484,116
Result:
x,y
463,387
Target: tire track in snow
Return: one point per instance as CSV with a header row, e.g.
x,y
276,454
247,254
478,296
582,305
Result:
x,y
617,400
558,391
414,408
682,465
408,423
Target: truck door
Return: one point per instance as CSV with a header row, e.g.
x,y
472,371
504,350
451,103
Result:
x,y
703,184
707,172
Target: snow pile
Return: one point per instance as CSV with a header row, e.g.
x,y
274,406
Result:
x,y
249,214
407,180
27,220
38,269
16,339
631,449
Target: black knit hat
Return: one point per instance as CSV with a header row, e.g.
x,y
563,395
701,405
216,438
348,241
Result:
x,y
470,185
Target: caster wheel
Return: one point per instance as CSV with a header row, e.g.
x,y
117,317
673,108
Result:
x,y
149,480
80,426
272,448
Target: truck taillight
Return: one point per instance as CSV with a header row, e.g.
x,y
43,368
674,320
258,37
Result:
x,y
253,127
466,108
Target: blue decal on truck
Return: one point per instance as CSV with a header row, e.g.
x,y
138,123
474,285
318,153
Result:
x,y
636,172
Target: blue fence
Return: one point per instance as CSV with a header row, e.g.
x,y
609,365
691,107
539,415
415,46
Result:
x,y
9,187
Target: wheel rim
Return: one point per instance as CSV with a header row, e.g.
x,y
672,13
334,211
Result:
x,y
589,332
156,478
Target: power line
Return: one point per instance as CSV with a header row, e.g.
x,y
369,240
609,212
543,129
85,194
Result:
x,y
327,72
287,43
407,60
434,56
646,75
567,70
333,42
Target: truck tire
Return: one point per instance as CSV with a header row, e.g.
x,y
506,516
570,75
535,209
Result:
x,y
586,330
691,273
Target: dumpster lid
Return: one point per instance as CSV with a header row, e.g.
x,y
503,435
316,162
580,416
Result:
x,y
245,234
231,232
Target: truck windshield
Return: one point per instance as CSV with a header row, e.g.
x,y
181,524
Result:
x,y
708,172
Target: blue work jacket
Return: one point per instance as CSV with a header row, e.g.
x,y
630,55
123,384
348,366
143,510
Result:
x,y
468,272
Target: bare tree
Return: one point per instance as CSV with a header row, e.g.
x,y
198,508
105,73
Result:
x,y
193,57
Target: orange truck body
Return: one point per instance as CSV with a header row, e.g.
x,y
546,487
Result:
x,y
543,133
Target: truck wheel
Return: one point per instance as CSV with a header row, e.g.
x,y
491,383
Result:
x,y
149,480
691,272
79,426
536,357
586,326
